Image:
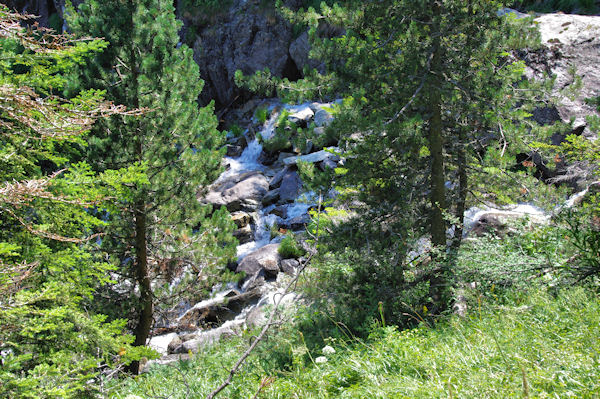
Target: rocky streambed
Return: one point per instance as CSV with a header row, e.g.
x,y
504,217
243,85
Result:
x,y
267,200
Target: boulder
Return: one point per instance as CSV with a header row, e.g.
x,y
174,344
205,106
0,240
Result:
x,y
265,259
239,192
241,37
290,187
312,158
301,115
300,50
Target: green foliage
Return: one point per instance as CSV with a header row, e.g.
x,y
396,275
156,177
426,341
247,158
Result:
x,y
289,247
53,344
161,229
262,113
543,344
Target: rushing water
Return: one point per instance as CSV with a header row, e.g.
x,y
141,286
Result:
x,y
248,161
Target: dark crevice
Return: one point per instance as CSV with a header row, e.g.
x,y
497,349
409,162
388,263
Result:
x,y
291,71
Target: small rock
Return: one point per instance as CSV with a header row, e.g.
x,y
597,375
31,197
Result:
x,y
297,223
244,234
289,266
327,164
175,343
234,151
241,219
279,211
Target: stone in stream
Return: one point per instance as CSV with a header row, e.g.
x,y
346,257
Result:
x,y
265,259
241,219
234,151
297,223
276,179
290,187
239,192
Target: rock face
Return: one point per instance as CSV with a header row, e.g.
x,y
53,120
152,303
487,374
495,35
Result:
x,y
245,37
239,192
569,41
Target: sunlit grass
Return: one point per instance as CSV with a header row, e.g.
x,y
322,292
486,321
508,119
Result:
x,y
540,346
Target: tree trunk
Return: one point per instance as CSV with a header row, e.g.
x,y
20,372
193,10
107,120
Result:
x,y
438,283
143,277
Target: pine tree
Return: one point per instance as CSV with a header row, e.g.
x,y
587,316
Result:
x,y
163,227
431,92
51,344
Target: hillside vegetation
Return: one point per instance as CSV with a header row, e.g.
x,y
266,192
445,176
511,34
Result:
x,y
367,199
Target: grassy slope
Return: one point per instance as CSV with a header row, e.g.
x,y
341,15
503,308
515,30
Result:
x,y
549,344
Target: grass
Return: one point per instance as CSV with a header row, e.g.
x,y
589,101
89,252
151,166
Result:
x,y
539,345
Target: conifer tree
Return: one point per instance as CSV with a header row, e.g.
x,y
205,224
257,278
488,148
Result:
x,y
51,344
431,92
162,228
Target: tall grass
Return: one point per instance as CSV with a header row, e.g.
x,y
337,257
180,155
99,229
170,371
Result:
x,y
538,346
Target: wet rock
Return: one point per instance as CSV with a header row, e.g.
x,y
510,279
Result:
x,y
279,211
290,187
240,192
289,266
271,197
266,259
215,311
234,151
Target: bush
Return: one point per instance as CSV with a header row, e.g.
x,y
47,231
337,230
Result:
x,y
289,248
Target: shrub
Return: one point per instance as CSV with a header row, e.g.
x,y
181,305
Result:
x,y
289,248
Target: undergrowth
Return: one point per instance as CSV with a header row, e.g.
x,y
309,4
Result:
x,y
537,345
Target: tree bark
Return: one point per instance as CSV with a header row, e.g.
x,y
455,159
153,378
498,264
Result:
x,y
437,223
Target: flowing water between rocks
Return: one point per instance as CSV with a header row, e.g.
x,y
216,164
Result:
x,y
264,196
